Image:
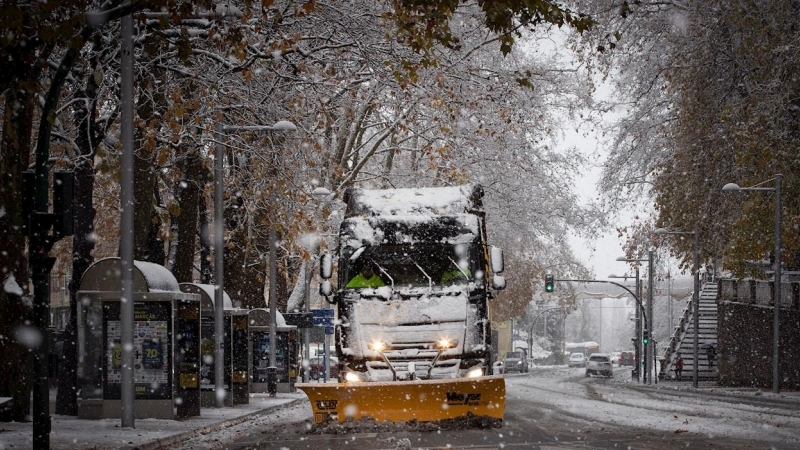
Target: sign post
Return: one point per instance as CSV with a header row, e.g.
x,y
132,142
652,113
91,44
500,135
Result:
x,y
324,318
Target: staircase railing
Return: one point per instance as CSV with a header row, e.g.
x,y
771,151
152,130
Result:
x,y
675,340
680,330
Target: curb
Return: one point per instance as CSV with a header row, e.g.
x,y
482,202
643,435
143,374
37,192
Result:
x,y
786,398
180,437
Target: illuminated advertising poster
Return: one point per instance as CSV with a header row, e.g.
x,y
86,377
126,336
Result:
x,y
151,342
207,342
284,355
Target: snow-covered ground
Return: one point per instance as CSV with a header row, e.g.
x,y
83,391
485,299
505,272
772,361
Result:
x,y
69,432
668,406
563,396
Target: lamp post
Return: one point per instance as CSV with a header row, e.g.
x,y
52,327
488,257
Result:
x,y
649,318
695,298
321,194
669,296
219,330
127,382
776,317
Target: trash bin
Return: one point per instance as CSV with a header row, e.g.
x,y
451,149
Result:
x,y
272,380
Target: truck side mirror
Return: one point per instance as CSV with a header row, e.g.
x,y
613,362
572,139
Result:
x,y
326,290
498,282
497,259
325,267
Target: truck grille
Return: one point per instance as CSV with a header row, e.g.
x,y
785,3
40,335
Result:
x,y
398,357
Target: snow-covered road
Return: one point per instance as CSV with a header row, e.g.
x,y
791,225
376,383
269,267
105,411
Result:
x,y
618,403
558,407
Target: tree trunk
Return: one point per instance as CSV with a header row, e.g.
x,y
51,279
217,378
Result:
x,y
154,247
82,245
15,360
242,282
149,112
188,197
205,242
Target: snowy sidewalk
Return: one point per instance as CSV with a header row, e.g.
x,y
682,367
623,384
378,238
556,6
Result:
x,y
69,432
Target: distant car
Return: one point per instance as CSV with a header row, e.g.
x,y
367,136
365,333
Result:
x,y
599,364
317,368
626,359
615,357
515,362
577,360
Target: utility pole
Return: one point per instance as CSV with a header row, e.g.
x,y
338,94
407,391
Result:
x,y
650,272
669,296
600,326
637,339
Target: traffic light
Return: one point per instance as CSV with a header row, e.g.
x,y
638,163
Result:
x,y
548,283
646,337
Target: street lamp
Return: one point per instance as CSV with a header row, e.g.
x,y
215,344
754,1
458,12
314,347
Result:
x,y
695,298
776,318
649,318
321,194
219,331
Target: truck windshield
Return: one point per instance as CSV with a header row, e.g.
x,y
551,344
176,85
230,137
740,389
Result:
x,y
415,265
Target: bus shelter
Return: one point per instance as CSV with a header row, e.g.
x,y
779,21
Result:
x,y
236,349
286,351
166,343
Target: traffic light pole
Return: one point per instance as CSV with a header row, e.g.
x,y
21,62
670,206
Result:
x,y
641,308
637,339
651,371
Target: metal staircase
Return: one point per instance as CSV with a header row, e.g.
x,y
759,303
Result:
x,y
682,340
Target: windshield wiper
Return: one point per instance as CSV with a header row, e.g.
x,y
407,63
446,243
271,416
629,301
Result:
x,y
391,280
430,280
466,277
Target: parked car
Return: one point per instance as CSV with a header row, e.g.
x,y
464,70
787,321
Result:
x,y
599,364
577,360
615,357
627,359
317,368
515,362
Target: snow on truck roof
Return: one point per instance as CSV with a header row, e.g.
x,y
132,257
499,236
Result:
x,y
414,201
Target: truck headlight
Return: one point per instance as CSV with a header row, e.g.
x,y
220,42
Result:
x,y
475,373
352,377
377,346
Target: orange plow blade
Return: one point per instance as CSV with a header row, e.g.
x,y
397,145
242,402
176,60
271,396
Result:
x,y
404,401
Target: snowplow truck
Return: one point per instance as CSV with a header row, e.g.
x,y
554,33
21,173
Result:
x,y
415,275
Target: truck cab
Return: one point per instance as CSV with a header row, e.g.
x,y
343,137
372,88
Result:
x,y
415,274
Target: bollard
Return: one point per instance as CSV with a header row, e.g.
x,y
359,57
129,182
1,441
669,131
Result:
x,y
272,380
